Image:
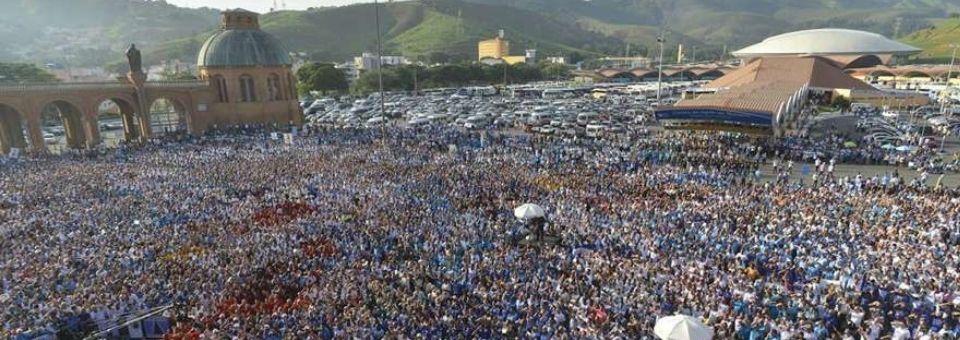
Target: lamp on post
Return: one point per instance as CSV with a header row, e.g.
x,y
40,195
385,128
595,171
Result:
x,y
383,109
946,89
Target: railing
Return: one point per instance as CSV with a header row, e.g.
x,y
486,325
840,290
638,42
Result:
x,y
104,85
165,84
61,87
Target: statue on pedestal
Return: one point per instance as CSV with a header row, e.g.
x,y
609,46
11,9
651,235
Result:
x,y
134,58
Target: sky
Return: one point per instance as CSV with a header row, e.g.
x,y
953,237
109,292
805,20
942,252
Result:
x,y
262,6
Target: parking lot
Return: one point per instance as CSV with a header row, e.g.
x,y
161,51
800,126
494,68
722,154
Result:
x,y
562,112
864,141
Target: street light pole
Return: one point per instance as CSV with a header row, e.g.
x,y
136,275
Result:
x,y
660,69
416,87
383,107
946,133
376,6
504,74
946,88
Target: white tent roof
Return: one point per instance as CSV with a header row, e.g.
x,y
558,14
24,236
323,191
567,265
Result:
x,y
826,41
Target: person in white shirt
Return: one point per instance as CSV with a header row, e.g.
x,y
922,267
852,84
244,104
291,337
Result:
x,y
900,332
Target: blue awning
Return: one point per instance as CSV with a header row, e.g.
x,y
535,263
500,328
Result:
x,y
693,115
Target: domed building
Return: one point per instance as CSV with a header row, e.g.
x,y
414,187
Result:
x,y
246,78
250,74
782,75
846,48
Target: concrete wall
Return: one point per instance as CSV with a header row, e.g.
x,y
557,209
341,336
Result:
x,y
262,111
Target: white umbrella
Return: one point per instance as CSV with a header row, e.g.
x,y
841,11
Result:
x,y
681,327
528,211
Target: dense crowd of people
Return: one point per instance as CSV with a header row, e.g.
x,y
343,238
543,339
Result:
x,y
411,234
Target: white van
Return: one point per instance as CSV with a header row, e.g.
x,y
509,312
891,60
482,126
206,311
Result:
x,y
587,117
375,122
595,130
418,122
540,118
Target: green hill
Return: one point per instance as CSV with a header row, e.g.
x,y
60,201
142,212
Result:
x,y
738,23
95,32
424,30
936,40
89,32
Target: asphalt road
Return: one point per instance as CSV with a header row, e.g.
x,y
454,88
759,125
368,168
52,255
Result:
x,y
835,122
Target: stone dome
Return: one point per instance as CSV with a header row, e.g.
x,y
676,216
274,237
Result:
x,y
240,42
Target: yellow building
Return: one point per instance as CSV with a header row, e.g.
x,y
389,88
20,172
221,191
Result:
x,y
495,48
514,59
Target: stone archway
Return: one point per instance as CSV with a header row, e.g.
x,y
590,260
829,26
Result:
x,y
168,116
65,122
118,121
13,133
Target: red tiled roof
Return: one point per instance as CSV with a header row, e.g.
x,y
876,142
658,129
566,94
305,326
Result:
x,y
815,71
767,83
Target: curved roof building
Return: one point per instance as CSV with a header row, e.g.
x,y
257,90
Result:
x,y
826,41
240,42
250,72
242,48
847,48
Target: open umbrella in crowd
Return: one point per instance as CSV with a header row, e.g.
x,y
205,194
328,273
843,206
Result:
x,y
394,234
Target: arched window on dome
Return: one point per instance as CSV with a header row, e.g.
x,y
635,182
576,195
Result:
x,y
221,85
248,90
273,87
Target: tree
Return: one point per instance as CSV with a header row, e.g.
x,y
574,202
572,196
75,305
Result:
x,y
370,81
323,78
554,71
841,103
438,58
168,75
575,57
23,73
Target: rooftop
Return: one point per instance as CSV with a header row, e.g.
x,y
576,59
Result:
x,y
240,42
767,83
826,41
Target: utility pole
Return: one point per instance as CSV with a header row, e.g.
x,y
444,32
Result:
x,y
383,107
660,41
504,73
